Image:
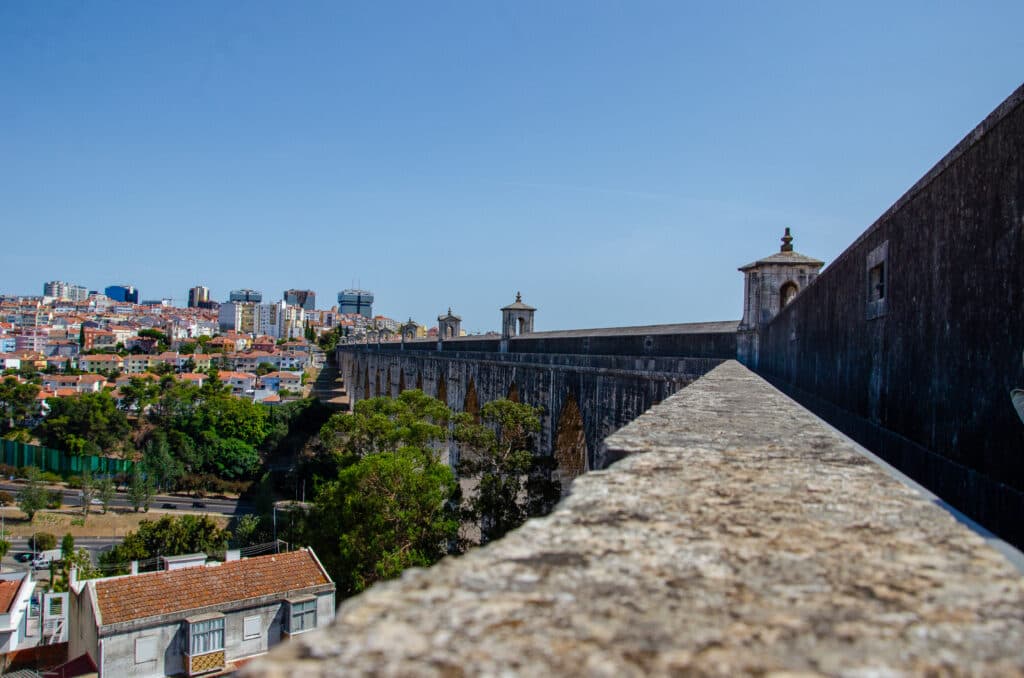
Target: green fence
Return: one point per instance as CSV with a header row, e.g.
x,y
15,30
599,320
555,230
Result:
x,y
62,463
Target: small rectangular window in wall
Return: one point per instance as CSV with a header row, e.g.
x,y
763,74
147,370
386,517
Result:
x,y
251,627
878,287
145,649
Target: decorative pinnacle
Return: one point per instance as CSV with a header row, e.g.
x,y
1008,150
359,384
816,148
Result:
x,y
519,297
449,310
787,242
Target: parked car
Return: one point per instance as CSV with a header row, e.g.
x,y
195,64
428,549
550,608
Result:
x,y
24,557
169,506
198,504
44,558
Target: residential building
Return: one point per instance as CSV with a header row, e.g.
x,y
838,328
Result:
x,y
240,382
197,296
359,302
280,321
238,316
15,591
198,619
100,361
58,289
32,340
275,381
97,338
80,383
245,295
305,299
125,293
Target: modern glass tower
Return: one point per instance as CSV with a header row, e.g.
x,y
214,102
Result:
x,y
356,301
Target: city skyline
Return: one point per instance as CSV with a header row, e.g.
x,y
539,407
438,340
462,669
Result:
x,y
614,164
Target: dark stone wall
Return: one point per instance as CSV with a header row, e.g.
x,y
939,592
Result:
x,y
720,345
626,341
924,378
611,391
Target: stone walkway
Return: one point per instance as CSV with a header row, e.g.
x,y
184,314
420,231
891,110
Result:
x,y
738,535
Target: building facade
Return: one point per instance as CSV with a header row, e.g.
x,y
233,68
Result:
x,y
305,299
125,293
197,296
198,619
359,302
245,295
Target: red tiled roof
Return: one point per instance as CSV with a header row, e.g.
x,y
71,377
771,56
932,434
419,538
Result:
x,y
8,592
157,593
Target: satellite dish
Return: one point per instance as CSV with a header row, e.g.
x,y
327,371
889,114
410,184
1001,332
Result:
x,y
1017,395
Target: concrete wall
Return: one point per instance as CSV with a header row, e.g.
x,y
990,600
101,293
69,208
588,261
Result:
x,y
610,390
923,379
740,535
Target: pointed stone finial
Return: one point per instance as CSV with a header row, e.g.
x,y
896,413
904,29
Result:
x,y
449,310
787,242
519,297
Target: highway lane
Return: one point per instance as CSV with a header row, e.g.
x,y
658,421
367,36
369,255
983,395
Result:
x,y
228,507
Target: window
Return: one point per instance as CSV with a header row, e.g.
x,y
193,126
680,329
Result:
x,y
251,627
145,649
876,282
206,636
787,293
878,287
303,616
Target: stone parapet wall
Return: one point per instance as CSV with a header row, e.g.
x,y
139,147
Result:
x,y
740,534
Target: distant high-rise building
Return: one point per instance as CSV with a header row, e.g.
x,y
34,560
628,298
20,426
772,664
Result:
x,y
356,301
305,299
58,289
246,295
123,293
197,296
239,316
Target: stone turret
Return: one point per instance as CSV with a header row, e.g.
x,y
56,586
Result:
x,y
769,284
449,326
409,329
516,319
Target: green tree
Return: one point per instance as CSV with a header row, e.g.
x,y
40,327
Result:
x,y
386,512
107,492
89,489
67,545
17,401
78,560
87,424
140,487
42,541
169,536
33,496
247,531
498,453
265,368
138,394
81,335
5,546
161,465
384,424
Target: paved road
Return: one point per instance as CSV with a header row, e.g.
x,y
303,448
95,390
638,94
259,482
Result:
x,y
223,506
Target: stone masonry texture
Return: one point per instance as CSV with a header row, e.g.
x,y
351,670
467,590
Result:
x,y
738,535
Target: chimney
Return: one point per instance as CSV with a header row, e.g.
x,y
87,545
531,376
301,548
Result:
x,y
135,567
73,579
232,554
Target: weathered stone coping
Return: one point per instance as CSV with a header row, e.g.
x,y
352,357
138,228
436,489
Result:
x,y
749,537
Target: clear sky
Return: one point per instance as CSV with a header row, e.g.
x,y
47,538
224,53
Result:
x,y
615,161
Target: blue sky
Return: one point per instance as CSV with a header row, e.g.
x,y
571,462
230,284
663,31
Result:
x,y
614,161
